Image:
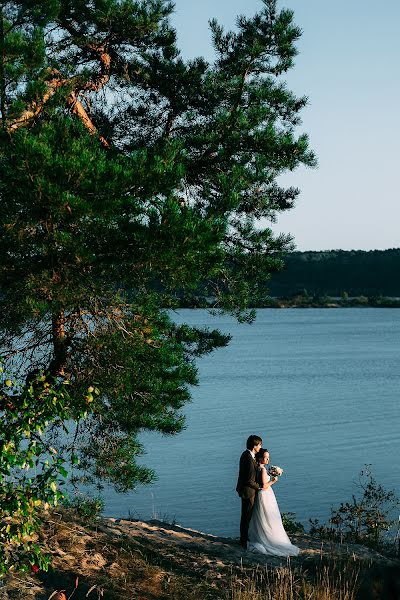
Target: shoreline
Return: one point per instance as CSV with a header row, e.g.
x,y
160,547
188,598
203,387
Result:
x,y
330,303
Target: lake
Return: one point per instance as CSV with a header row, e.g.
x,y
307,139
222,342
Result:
x,y
321,387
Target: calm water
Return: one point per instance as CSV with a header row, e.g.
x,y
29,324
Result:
x,y
322,389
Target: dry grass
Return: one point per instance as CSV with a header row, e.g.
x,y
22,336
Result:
x,y
88,563
327,582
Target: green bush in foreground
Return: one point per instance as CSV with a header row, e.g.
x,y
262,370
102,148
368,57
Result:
x,y
31,470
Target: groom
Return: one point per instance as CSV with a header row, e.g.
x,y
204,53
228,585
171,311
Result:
x,y
247,485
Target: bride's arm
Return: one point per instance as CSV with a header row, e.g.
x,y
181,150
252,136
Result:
x,y
265,484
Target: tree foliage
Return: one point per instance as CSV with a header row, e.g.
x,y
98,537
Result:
x,y
30,468
130,179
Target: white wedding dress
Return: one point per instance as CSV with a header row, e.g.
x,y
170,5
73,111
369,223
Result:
x,y
266,532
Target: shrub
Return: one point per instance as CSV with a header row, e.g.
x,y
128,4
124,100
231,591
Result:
x,y
290,524
366,518
86,507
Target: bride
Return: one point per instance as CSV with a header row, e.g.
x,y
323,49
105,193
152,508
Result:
x,y
266,532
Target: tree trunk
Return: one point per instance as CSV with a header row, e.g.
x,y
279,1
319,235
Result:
x,y
57,366
2,74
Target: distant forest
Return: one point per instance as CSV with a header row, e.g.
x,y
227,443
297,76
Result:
x,y
337,272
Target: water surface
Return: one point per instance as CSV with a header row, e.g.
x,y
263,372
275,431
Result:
x,y
320,386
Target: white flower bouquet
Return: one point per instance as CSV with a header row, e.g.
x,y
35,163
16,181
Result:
x,y
275,471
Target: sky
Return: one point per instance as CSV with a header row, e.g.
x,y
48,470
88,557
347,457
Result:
x,y
348,67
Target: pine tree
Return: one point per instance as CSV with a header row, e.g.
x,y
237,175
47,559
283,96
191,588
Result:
x,y
132,181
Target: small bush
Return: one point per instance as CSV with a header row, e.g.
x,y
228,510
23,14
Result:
x,y
366,519
290,524
88,508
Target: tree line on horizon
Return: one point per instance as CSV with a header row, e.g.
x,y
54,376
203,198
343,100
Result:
x,y
371,273
321,277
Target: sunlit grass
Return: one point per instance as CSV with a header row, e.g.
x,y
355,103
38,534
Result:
x,y
332,581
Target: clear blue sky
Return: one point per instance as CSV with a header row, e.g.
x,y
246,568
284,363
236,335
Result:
x,y
348,66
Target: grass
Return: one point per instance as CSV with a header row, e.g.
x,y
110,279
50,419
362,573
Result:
x,y
331,581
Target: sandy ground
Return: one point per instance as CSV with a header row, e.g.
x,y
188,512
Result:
x,y
227,550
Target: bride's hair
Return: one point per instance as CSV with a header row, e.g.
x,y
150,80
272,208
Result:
x,y
260,454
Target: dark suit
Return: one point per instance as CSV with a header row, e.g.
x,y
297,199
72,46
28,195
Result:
x,y
247,487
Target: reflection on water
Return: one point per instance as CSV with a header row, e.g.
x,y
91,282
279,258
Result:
x,y
320,386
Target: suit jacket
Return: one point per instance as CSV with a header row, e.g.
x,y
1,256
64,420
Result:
x,y
247,485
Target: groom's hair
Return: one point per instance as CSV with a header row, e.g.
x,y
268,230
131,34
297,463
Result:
x,y
252,441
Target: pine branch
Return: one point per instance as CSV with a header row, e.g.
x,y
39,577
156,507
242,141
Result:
x,y
73,99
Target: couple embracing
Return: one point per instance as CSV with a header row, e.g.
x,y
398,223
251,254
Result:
x,y
261,527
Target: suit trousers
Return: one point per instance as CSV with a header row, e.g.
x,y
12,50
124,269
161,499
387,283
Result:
x,y
247,511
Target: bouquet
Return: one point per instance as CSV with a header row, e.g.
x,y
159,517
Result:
x,y
275,471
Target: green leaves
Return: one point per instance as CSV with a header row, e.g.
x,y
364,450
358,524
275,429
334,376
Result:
x,y
366,518
30,468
